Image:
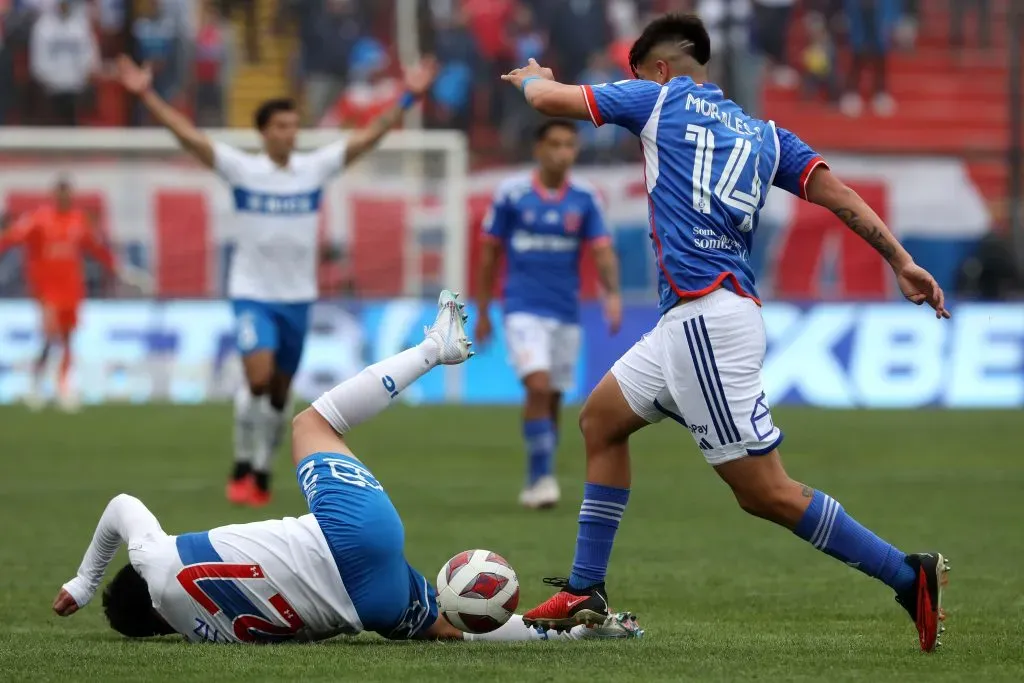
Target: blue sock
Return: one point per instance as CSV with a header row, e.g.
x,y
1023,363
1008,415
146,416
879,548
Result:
x,y
827,527
540,448
600,514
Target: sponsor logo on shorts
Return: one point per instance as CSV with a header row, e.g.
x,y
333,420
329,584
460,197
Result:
x,y
699,429
705,445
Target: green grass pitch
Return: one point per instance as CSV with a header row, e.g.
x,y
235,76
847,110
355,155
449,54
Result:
x,y
723,597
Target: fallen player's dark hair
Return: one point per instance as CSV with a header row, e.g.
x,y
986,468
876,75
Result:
x,y
685,30
551,124
129,608
267,110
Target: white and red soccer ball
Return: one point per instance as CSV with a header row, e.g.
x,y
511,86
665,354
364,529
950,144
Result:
x,y
477,591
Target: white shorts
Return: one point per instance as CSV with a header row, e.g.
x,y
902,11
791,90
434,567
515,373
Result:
x,y
538,344
701,366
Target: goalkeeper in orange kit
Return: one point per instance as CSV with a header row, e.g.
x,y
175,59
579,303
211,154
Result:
x,y
56,237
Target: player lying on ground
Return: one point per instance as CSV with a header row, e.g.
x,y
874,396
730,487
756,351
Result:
x,y
708,169
541,222
56,238
273,277
339,570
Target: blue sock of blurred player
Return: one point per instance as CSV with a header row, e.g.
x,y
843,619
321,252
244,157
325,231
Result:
x,y
539,435
827,527
600,514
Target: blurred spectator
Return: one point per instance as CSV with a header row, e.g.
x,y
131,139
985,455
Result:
x,y
871,24
371,91
456,50
577,28
735,67
601,144
214,44
63,56
157,42
527,39
819,59
982,18
771,36
489,21
624,20
252,29
332,28
989,274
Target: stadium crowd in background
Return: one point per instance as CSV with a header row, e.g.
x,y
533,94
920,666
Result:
x,y
341,62
345,63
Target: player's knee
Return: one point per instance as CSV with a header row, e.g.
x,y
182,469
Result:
x,y
772,502
306,422
595,425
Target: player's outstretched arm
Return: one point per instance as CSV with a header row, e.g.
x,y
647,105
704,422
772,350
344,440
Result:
x,y
139,81
916,283
124,519
418,80
547,95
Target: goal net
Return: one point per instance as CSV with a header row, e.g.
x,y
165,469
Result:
x,y
393,225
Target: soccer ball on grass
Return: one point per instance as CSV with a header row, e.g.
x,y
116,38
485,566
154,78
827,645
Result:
x,y
477,591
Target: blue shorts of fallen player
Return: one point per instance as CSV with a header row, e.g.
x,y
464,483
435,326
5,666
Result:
x,y
367,539
272,326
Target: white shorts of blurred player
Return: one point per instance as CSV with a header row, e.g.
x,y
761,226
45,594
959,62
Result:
x,y
701,366
539,344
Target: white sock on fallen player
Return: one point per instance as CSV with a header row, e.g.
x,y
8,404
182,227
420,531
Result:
x,y
514,630
360,398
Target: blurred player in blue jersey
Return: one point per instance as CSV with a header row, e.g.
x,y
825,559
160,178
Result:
x,y
541,222
273,279
708,168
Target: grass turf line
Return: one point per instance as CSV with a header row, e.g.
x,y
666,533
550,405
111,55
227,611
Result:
x,y
724,597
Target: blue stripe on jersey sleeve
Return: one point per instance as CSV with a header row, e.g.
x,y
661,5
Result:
x,y
796,159
269,203
196,548
625,103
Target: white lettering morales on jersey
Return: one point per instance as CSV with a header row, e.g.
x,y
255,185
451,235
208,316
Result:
x,y
527,241
710,109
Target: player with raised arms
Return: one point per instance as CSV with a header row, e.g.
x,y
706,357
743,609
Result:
x,y
57,237
339,570
273,278
708,168
541,221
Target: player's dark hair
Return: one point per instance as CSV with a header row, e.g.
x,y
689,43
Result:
x,y
129,608
685,30
267,110
551,124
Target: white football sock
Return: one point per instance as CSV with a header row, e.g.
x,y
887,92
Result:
x,y
515,630
250,434
267,422
276,424
359,398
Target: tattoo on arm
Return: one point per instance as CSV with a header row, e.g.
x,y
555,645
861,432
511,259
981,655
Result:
x,y
868,231
807,492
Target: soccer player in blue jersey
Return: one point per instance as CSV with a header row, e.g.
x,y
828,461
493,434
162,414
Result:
x,y
541,222
708,168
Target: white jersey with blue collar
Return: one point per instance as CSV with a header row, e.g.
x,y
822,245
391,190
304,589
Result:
x,y
277,209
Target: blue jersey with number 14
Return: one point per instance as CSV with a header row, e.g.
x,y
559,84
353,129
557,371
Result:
x,y
708,167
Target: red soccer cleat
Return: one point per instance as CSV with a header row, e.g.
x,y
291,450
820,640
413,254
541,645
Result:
x,y
258,497
923,601
569,607
239,491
